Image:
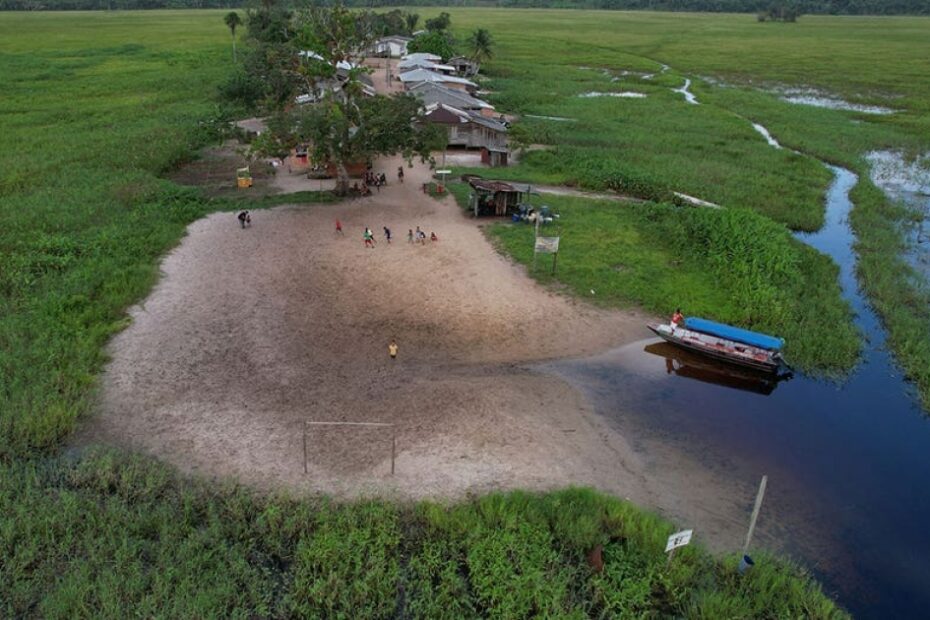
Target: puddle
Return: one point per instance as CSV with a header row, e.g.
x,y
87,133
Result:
x,y
624,95
685,90
819,99
907,182
765,134
552,118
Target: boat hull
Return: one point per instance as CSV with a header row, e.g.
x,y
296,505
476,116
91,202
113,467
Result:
x,y
721,349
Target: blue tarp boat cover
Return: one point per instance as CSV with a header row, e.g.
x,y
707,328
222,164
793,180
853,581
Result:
x,y
734,333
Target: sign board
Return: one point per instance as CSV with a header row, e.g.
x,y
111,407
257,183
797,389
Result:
x,y
678,539
547,245
443,172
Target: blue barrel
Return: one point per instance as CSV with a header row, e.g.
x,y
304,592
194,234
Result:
x,y
745,564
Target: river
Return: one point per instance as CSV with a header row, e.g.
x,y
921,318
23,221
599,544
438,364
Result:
x,y
848,463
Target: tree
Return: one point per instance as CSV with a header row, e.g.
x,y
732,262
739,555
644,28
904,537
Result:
x,y
345,126
439,24
439,43
412,19
480,45
233,21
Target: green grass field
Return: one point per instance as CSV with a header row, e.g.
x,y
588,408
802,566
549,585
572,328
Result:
x,y
95,107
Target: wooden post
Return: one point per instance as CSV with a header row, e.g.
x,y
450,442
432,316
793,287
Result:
x,y
671,554
393,447
555,259
305,446
755,513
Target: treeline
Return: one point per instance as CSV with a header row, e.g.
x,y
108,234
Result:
x,y
806,7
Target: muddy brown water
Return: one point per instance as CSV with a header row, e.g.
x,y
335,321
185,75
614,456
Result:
x,y
848,463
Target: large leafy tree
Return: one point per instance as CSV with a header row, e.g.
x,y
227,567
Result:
x,y
345,125
440,23
439,43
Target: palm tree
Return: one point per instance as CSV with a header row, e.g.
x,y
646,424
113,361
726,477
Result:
x,y
233,20
412,19
480,44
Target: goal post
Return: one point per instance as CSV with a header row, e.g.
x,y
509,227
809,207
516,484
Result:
x,y
309,423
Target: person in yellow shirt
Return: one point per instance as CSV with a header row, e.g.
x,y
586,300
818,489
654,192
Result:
x,y
392,350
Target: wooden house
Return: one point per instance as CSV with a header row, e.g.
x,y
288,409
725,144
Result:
x,y
471,131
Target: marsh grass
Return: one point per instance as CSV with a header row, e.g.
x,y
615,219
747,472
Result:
x,y
107,534
731,265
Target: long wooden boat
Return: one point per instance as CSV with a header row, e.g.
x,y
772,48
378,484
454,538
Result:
x,y
726,343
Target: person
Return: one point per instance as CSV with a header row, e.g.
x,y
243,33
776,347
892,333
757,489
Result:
x,y
409,235
433,237
400,173
355,189
677,319
384,178
244,218
387,234
392,349
369,238
421,236
338,228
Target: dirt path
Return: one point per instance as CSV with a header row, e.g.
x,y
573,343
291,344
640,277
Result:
x,y
252,332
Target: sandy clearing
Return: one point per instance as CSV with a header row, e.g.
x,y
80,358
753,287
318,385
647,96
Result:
x,y
252,332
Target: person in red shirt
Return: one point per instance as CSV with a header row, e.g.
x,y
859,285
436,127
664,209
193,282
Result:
x,y
338,227
677,319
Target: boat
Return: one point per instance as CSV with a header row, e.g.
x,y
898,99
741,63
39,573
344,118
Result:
x,y
726,343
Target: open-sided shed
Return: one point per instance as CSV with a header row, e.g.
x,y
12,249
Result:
x,y
499,198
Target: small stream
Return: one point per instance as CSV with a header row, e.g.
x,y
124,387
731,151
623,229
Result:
x,y
848,463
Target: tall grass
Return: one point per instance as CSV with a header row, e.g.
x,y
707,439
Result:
x,y
117,536
731,265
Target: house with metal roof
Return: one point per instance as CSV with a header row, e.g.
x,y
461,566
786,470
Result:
x,y
471,131
433,92
417,76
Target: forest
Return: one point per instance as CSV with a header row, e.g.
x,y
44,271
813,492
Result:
x,y
798,7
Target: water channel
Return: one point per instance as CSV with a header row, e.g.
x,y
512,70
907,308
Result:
x,y
848,463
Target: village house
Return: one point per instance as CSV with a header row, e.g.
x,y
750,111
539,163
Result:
x,y
471,131
463,66
411,64
431,93
394,46
418,76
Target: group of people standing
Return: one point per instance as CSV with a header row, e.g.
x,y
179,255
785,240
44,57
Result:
x,y
368,237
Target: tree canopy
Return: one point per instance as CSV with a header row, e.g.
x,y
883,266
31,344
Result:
x,y
439,43
834,7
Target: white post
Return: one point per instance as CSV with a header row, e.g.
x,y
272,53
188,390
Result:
x,y
755,513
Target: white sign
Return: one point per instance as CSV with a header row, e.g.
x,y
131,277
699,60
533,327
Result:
x,y
547,245
443,172
678,539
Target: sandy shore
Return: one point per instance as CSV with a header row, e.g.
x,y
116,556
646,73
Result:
x,y
251,333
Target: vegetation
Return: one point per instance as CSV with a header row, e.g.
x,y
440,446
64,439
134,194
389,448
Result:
x,y
117,536
436,42
233,21
652,146
649,255
832,7
85,215
319,56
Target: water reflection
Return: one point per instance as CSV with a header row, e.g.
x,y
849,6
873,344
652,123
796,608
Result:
x,y
688,365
